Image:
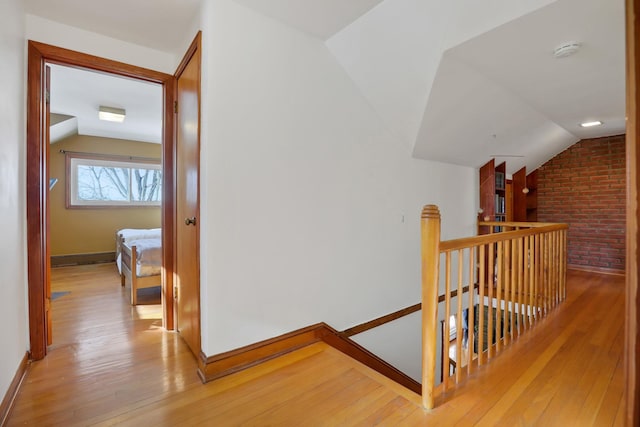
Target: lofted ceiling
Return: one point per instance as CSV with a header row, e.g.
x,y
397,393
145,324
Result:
x,y
76,96
514,98
458,82
318,18
158,24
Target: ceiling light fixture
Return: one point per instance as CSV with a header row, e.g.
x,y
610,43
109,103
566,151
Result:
x,y
111,114
566,49
590,124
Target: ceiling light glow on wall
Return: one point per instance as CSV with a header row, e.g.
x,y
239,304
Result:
x,y
111,114
590,124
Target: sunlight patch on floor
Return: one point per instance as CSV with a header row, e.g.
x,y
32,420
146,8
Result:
x,y
146,312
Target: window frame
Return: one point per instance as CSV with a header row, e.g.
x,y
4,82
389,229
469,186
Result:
x,y
73,160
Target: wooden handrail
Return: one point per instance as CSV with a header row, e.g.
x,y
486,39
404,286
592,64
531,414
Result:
x,y
466,242
522,224
513,279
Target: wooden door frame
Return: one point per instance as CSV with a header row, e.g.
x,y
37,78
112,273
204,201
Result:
x,y
37,177
632,298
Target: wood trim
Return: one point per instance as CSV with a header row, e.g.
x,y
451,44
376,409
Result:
x,y
167,219
220,365
83,259
37,171
632,300
358,329
363,327
600,270
36,211
364,356
195,45
12,391
454,292
62,56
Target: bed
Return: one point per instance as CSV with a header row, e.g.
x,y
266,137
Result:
x,y
131,234
139,259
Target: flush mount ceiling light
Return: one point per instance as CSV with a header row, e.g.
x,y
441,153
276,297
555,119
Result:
x,y
591,124
566,49
111,114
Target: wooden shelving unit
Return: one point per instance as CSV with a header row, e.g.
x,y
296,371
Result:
x,y
532,196
507,200
493,200
519,195
500,197
488,190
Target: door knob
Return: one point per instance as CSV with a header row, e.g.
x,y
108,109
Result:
x,y
190,221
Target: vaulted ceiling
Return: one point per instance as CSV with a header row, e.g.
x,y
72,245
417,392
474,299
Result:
x,y
78,95
456,81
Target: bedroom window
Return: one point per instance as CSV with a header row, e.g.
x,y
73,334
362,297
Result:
x,y
111,182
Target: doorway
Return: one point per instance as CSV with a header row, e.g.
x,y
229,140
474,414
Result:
x,y
39,55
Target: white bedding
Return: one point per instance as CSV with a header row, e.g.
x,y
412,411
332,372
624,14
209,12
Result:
x,y
140,233
149,256
131,234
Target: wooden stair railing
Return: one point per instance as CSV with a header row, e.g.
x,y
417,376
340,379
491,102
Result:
x,y
517,277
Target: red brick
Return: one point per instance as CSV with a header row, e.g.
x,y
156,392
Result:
x,y
584,186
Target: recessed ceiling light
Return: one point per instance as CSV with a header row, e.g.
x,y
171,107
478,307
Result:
x,y
111,114
566,49
590,124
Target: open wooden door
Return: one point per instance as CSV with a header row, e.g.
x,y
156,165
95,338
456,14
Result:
x,y
187,259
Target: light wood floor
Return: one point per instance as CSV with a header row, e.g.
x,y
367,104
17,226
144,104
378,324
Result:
x,y
113,364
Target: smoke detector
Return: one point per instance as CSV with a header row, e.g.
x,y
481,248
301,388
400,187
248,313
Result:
x,y
566,49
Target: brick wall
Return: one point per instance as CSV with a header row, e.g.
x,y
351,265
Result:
x,y
584,186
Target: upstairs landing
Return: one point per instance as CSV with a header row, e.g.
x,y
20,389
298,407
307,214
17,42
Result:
x,y
566,371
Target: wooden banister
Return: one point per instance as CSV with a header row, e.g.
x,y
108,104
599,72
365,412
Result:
x,y
466,242
515,277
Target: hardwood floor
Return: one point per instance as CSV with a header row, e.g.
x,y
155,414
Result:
x,y
113,364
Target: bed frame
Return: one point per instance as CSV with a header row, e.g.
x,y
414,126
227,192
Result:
x,y
120,241
129,263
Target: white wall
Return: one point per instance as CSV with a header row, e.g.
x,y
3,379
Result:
x,y
54,33
310,207
472,18
392,54
13,285
394,51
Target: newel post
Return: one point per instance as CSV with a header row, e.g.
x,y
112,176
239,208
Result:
x,y
430,234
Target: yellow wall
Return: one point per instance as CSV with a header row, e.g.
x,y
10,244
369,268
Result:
x,y
83,231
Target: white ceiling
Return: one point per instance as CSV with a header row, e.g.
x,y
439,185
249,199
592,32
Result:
x,y
446,90
321,18
80,93
543,99
455,86
158,24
